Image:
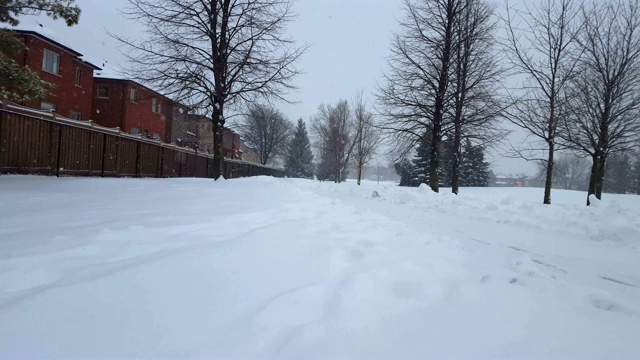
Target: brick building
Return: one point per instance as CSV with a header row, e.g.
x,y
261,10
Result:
x,y
63,67
232,144
132,107
194,131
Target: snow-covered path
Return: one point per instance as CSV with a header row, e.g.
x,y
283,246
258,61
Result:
x,y
281,268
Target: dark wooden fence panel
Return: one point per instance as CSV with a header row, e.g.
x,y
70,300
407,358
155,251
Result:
x,y
111,147
62,147
127,157
27,146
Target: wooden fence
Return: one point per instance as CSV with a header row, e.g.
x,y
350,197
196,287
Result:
x,y
32,143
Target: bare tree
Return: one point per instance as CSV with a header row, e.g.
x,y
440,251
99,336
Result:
x,y
211,55
266,130
570,172
540,43
414,97
605,96
476,76
367,137
334,131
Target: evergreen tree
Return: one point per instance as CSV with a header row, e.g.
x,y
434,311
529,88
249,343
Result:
x,y
421,163
323,169
19,83
405,169
619,176
299,161
474,171
636,175
445,171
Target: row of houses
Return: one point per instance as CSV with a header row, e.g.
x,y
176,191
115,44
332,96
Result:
x,y
82,92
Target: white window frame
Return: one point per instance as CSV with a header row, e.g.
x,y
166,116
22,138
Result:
x,y
51,62
98,92
159,107
154,105
133,95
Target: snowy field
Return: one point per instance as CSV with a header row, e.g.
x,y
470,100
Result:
x,y
294,269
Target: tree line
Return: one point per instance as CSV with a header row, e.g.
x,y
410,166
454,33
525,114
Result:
x,y
577,67
343,135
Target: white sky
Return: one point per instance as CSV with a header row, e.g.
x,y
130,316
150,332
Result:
x,y
349,42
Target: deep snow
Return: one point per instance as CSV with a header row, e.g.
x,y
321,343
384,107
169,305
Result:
x,y
296,269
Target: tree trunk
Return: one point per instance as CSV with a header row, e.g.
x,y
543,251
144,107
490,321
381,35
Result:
x,y
434,161
549,179
218,148
359,172
455,171
600,181
593,179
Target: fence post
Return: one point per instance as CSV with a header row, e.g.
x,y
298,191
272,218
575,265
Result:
x,y
3,116
180,165
59,150
138,159
161,154
104,153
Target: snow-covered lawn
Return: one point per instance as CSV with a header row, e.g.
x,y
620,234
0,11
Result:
x,y
295,269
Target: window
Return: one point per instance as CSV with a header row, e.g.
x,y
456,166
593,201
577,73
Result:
x,y
103,92
47,106
51,62
78,76
135,131
154,105
75,115
132,95
156,136
159,107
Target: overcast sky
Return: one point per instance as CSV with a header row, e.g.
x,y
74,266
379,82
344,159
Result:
x,y
349,42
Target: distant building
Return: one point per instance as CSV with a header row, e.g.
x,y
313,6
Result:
x,y
63,67
507,181
250,155
132,107
232,144
194,131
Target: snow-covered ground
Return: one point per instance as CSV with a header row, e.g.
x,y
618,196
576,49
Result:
x,y
295,269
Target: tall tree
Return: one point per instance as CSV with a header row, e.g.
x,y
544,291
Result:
x,y
214,55
19,83
605,96
476,76
540,44
299,159
334,131
414,96
367,138
266,130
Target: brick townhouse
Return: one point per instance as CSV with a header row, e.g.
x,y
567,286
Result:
x,y
116,102
132,107
71,76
